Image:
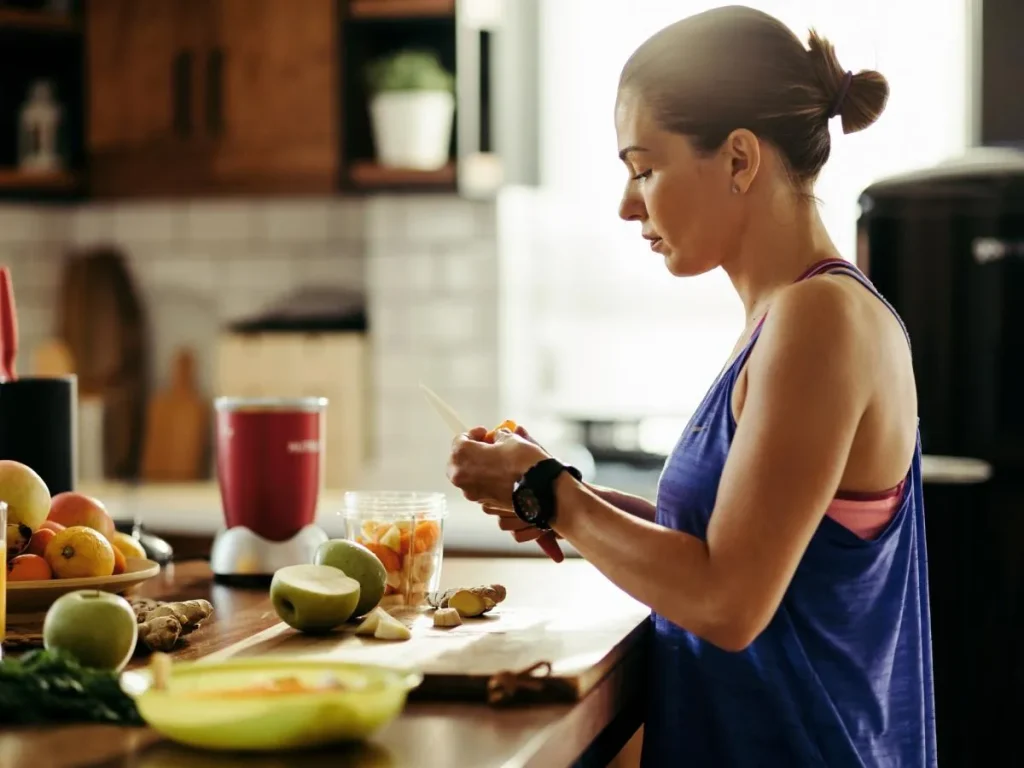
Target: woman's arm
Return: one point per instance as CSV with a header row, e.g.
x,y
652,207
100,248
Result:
x,y
627,502
806,393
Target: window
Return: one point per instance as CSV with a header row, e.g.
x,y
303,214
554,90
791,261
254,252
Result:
x,y
661,341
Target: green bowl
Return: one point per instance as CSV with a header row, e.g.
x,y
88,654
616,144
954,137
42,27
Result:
x,y
195,710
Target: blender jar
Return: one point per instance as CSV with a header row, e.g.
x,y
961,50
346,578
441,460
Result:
x,y
405,530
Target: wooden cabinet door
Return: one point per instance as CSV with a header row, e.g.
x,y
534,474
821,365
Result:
x,y
144,95
278,61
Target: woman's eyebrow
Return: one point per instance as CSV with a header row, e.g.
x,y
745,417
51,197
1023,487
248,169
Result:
x,y
623,153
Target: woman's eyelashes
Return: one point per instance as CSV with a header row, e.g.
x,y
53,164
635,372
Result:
x,y
642,175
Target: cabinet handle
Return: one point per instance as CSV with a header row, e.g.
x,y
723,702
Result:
x,y
215,92
181,93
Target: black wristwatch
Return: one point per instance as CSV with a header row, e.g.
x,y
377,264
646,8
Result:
x,y
533,496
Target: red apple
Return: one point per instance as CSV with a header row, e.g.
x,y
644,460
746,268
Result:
x,y
73,508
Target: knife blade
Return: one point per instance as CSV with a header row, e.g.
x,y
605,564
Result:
x,y
445,411
547,541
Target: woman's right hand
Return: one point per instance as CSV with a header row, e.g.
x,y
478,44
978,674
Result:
x,y
523,532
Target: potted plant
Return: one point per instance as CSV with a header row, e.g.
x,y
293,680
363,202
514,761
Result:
x,y
412,107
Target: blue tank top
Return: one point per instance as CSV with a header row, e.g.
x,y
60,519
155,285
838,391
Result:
x,y
841,676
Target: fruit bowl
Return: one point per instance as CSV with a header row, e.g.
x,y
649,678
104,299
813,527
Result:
x,y
37,596
270,704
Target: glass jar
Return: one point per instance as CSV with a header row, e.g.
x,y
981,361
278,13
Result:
x,y
405,530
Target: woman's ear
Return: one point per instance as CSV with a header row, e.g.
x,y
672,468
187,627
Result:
x,y
743,153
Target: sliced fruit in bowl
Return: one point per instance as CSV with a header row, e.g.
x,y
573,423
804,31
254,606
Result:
x,y
267,704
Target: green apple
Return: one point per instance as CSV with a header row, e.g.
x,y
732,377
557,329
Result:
x,y
313,598
98,628
359,563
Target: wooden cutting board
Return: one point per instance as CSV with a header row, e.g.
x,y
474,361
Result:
x,y
518,652
177,426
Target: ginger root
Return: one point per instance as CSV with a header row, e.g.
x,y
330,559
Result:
x,y
161,625
468,601
447,617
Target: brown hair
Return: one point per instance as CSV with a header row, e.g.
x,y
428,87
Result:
x,y
735,67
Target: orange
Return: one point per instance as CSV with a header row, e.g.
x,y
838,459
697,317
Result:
x,y
37,544
508,424
386,555
120,564
28,568
426,535
80,552
129,545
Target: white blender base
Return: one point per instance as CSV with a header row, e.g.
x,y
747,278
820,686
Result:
x,y
239,551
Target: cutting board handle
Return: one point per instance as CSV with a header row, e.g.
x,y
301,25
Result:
x,y
183,371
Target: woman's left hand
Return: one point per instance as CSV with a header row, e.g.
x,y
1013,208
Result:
x,y
487,472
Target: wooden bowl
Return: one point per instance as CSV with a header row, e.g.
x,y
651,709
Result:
x,y
35,596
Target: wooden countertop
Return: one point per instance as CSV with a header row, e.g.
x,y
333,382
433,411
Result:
x,y
589,732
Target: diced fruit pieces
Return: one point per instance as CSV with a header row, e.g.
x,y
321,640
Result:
x,y
369,624
506,424
387,556
392,539
390,628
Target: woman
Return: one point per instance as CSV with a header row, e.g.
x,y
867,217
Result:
x,y
784,559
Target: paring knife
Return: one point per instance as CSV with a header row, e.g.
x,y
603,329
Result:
x,y
547,541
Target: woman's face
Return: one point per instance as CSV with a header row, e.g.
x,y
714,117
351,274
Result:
x,y
682,200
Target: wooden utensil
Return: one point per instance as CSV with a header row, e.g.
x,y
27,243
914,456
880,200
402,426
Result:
x,y
547,541
8,328
176,427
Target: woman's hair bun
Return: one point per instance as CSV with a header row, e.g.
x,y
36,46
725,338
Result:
x,y
861,101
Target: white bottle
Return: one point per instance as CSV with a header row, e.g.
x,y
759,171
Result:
x,y
38,129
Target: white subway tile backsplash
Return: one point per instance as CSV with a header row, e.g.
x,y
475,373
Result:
x,y
469,268
297,221
428,265
271,273
221,221
429,219
23,224
148,223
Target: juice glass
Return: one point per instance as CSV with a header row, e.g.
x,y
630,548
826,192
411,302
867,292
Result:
x,y
405,530
3,576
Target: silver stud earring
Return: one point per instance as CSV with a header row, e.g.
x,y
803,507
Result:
x,y
735,188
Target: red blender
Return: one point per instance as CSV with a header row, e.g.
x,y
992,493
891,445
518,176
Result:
x,y
270,469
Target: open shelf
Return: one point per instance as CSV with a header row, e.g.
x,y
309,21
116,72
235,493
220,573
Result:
x,y
14,179
42,21
365,174
400,9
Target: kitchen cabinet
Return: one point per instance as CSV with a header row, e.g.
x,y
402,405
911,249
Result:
x,y
144,135
274,94
196,97
247,97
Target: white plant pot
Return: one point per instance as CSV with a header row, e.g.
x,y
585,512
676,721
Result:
x,y
412,129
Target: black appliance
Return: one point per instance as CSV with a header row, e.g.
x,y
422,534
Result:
x,y
945,246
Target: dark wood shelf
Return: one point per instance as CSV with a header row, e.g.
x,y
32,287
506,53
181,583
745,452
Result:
x,y
14,179
366,174
17,19
400,9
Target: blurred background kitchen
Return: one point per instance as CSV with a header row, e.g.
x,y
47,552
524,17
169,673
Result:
x,y
347,197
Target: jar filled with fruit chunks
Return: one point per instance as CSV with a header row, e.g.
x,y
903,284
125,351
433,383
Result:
x,y
405,530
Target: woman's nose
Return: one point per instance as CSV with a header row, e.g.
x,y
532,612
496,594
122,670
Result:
x,y
631,207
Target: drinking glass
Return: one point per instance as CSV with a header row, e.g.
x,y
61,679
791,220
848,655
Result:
x,y
3,577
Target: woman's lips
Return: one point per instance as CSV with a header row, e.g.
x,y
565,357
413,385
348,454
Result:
x,y
656,245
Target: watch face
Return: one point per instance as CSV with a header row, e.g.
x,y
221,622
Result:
x,y
528,505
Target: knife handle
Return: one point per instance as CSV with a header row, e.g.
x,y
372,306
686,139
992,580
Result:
x,y
549,544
